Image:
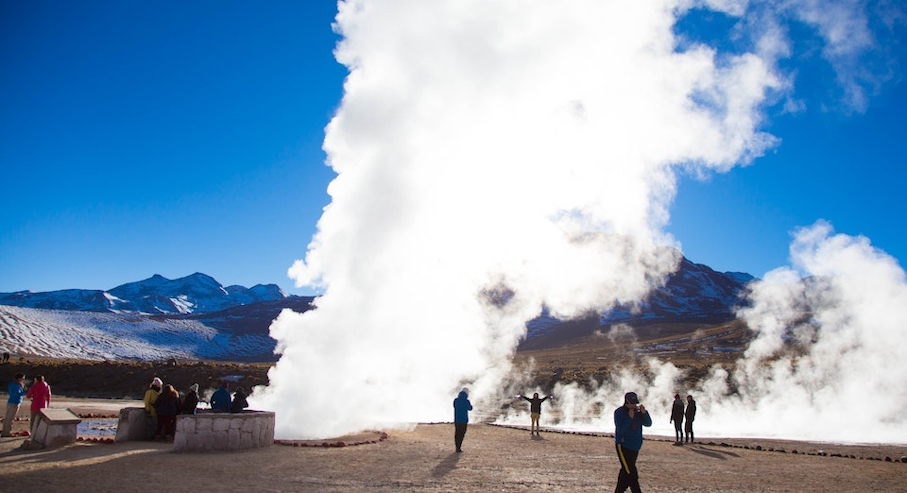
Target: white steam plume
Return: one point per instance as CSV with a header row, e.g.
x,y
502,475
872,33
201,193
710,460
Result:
x,y
824,364
492,157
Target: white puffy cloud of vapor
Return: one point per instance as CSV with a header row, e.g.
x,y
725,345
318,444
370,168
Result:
x,y
492,157
829,331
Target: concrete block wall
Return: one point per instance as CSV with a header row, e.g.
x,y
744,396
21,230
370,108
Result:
x,y
223,431
132,425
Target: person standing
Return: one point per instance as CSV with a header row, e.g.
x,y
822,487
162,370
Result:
x,y
677,418
39,393
16,392
220,401
691,414
628,422
461,406
190,403
535,412
167,406
151,395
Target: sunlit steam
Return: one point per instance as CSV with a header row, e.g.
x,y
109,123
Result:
x,y
828,336
493,157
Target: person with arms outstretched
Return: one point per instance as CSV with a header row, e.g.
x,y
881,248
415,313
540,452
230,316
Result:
x,y
535,411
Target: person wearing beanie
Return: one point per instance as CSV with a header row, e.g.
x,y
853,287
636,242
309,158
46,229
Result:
x,y
190,403
628,422
151,395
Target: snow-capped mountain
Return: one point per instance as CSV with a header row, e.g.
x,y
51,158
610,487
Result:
x,y
694,293
196,317
238,333
157,318
197,293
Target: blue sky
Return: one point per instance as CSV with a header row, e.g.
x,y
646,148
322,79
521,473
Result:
x,y
173,138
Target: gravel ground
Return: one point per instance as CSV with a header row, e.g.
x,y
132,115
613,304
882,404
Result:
x,y
495,458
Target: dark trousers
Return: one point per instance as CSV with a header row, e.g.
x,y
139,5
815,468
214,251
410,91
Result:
x,y
166,425
459,433
678,433
689,430
628,476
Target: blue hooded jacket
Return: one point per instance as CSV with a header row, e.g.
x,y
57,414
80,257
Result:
x,y
461,408
627,430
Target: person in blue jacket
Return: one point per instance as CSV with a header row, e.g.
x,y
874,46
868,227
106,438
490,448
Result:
x,y
16,392
221,401
628,422
461,406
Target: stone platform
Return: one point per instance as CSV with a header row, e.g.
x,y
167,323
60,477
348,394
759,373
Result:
x,y
53,428
205,431
208,431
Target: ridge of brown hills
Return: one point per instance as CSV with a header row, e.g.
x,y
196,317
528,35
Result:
x,y
577,351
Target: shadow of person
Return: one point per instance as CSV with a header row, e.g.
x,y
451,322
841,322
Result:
x,y
445,466
715,454
537,437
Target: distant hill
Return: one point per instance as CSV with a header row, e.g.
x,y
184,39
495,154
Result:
x,y
195,317
197,293
694,294
235,334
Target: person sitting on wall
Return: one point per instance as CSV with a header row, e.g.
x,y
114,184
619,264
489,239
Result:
x,y
239,401
190,403
220,401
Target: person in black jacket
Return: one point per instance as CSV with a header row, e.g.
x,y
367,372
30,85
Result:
x,y
239,401
535,411
190,403
691,413
167,407
677,418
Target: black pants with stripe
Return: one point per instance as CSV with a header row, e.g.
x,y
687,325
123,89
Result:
x,y
628,476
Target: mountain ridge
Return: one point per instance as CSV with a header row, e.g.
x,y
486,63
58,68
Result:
x,y
195,317
156,295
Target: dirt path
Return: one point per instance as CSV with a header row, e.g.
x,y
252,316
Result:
x,y
422,459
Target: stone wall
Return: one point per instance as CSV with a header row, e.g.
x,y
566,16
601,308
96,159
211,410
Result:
x,y
208,431
133,424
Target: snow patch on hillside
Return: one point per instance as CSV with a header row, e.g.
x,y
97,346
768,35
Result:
x,y
111,336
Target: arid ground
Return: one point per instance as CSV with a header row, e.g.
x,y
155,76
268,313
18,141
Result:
x,y
422,459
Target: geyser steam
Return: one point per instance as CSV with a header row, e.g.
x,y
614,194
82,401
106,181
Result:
x,y
492,157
